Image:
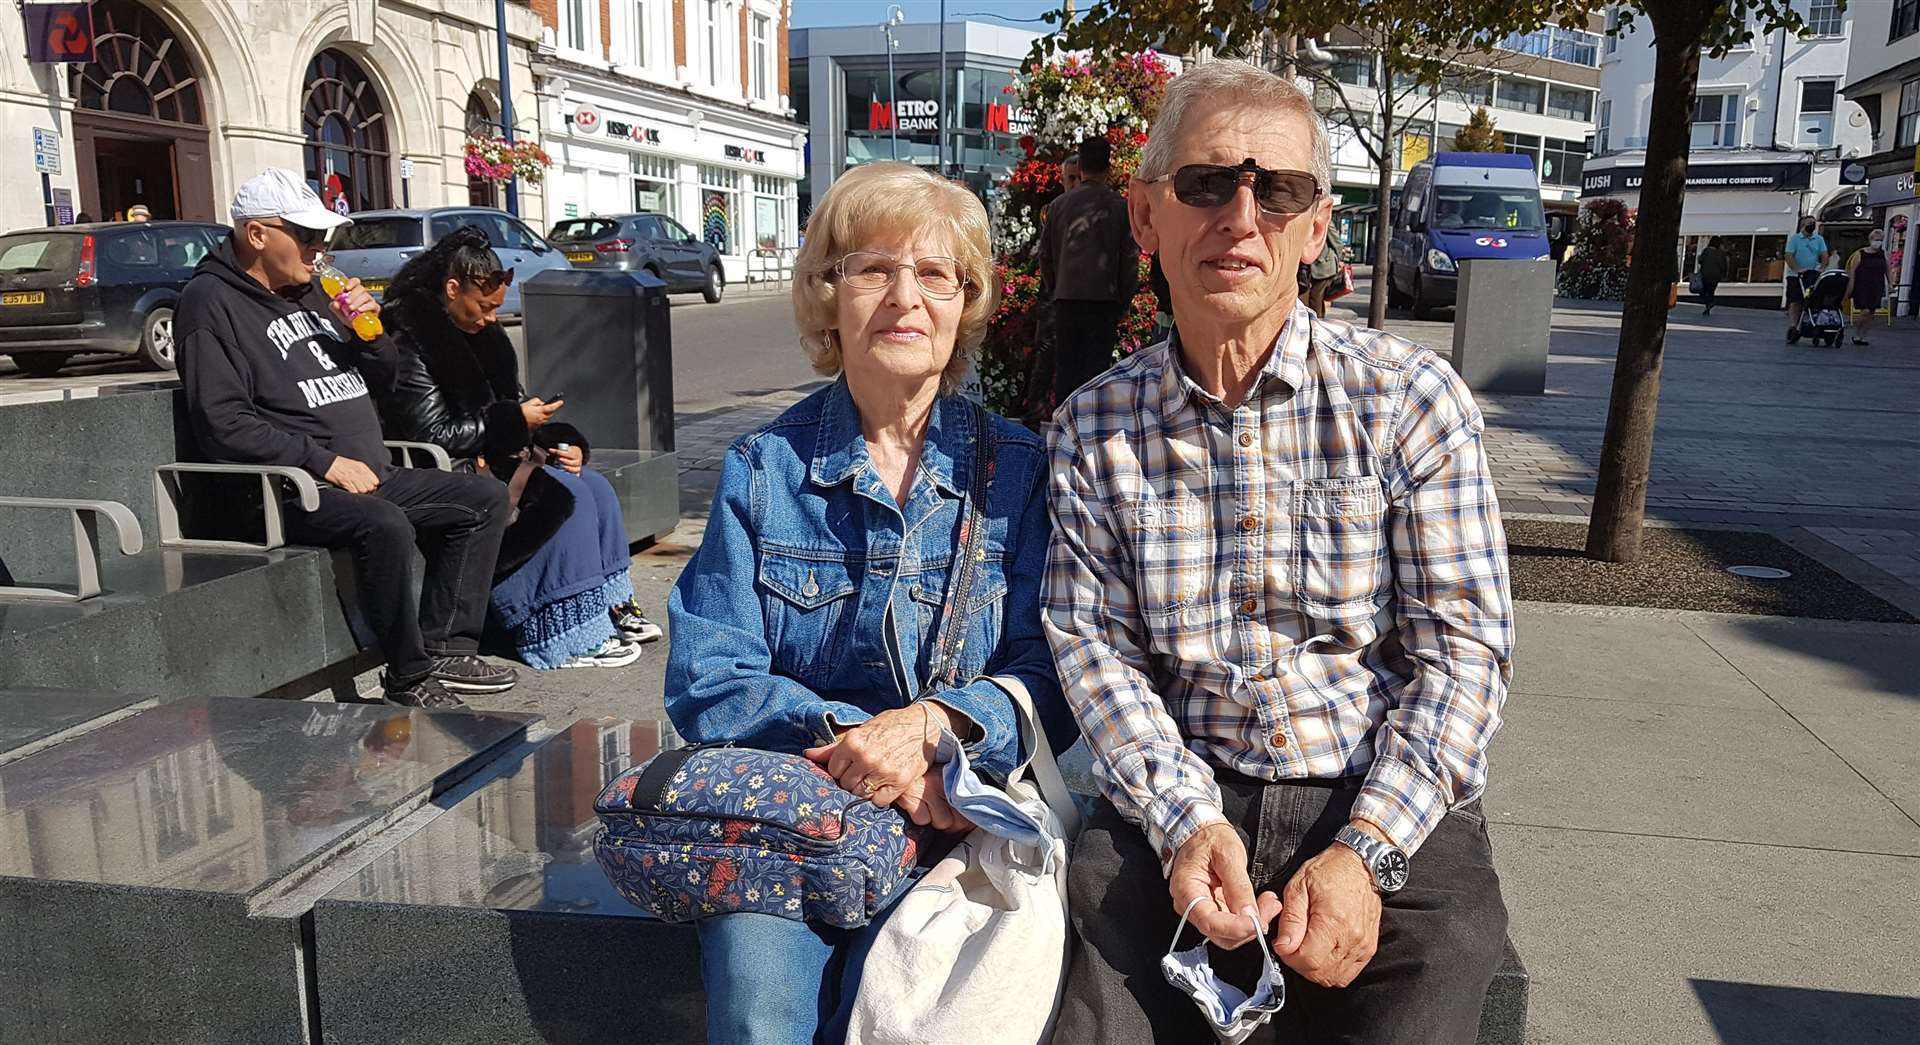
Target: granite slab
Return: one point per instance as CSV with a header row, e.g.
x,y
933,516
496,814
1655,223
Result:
x,y
135,861
38,717
503,887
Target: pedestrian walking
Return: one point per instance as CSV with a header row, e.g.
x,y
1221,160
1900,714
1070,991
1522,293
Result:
x,y
1089,269
1867,283
1324,272
1806,252
1710,268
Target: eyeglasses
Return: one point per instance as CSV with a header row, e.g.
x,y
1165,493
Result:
x,y
302,235
1212,184
488,282
939,277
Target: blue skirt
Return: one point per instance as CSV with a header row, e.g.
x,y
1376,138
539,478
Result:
x,y
556,607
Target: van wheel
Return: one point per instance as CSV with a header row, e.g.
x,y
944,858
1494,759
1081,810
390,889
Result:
x,y
1396,298
716,286
1422,308
156,340
41,364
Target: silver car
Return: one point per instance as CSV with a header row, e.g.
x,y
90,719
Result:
x,y
380,241
643,243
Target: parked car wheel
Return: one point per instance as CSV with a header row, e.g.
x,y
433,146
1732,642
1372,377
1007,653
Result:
x,y
156,340
716,286
41,364
1422,307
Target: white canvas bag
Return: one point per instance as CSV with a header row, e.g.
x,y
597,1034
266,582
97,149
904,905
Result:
x,y
976,951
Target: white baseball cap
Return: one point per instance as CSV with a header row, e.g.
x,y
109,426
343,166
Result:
x,y
277,193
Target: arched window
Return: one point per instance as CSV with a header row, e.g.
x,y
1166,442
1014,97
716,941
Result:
x,y
139,68
346,127
481,124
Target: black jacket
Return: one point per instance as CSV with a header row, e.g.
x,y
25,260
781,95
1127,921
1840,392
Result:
x,y
275,378
1087,251
462,392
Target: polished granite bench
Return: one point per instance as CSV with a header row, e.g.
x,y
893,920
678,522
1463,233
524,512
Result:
x,y
36,718
150,870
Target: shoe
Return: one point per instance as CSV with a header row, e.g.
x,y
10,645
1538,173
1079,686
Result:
x,y
1859,340
611,654
633,625
423,692
467,673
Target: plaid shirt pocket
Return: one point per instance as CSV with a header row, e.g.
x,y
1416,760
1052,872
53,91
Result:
x,y
1340,548
1171,552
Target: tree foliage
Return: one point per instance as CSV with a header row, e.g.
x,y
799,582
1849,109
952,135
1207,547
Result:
x,y
1479,135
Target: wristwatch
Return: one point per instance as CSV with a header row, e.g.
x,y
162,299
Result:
x,y
1387,863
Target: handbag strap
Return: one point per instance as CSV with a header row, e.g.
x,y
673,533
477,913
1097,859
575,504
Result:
x,y
971,549
1040,767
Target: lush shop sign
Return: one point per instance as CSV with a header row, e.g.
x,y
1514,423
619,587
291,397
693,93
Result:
x,y
1705,177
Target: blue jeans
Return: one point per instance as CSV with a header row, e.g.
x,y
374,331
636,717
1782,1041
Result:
x,y
776,981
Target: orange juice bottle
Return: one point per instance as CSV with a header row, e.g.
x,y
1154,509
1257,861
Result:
x,y
334,282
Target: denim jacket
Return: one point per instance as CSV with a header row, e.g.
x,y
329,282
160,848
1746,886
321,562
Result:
x,y
814,600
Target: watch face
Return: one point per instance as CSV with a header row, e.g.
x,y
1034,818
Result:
x,y
1391,870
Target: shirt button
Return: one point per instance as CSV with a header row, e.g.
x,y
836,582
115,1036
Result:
x,y
1249,523
1279,738
1246,438
1249,606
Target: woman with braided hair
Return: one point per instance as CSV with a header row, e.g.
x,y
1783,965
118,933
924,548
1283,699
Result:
x,y
561,596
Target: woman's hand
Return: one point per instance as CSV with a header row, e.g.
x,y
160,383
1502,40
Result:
x,y
925,803
567,456
537,412
883,756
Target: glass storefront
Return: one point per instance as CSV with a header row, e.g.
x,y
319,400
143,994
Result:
x,y
720,209
653,185
1750,259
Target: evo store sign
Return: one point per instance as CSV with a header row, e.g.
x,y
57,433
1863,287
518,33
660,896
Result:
x,y
588,120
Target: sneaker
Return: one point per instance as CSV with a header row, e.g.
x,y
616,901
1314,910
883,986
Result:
x,y
467,673
423,692
611,654
633,625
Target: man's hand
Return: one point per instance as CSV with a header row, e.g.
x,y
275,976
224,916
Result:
x,y
568,457
880,757
352,301
1329,917
925,803
352,476
1213,864
537,412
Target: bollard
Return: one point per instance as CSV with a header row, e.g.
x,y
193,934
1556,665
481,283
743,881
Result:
x,y
1502,323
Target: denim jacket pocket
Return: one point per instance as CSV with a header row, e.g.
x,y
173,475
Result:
x,y
983,610
808,614
1340,547
1171,552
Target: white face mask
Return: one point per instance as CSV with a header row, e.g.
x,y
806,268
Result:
x,y
1232,1014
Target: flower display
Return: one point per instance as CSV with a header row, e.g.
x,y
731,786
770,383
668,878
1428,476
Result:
x,y
1072,99
497,159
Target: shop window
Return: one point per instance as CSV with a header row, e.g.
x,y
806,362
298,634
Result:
x,y
720,208
770,197
654,185
1816,113
1561,161
139,68
346,128
1716,121
1527,145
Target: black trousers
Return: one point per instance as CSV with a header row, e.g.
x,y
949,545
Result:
x,y
455,520
1085,333
1441,937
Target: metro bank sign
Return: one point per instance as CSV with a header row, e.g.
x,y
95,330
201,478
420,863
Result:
x,y
910,114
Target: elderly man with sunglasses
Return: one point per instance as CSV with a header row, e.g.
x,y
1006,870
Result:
x,y
1277,596
275,373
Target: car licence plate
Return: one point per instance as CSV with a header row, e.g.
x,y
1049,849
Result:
x,y
374,286
579,255
25,297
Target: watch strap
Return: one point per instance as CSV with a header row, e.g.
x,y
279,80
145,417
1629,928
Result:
x,y
1369,848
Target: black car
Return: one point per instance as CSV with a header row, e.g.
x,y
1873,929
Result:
x,y
103,287
643,242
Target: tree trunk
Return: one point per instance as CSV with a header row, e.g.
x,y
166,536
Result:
x,y
1626,455
1382,214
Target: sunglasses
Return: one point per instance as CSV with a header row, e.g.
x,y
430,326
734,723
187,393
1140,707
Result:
x,y
302,235
488,282
1213,184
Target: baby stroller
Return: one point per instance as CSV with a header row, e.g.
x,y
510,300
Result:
x,y
1821,320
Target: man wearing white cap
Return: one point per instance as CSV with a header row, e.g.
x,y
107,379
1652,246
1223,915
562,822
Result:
x,y
275,375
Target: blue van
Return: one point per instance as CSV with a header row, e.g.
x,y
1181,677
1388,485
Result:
x,y
1459,206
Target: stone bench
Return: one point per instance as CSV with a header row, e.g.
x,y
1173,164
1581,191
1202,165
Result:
x,y
151,869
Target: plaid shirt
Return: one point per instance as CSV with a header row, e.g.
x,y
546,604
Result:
x,y
1312,584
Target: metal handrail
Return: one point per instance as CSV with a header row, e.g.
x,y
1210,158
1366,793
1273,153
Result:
x,y
437,456
84,514
166,502
783,259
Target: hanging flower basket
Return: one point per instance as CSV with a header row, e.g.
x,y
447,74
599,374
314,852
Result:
x,y
497,159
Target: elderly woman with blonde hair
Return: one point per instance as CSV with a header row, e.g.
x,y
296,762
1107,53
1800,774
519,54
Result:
x,y
807,621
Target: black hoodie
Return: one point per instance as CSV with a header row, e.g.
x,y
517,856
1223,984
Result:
x,y
276,379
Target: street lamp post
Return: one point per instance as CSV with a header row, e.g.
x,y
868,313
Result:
x,y
894,17
506,98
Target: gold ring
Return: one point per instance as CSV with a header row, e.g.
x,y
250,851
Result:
x,y
868,787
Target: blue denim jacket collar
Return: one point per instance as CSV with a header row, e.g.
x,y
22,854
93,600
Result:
x,y
840,450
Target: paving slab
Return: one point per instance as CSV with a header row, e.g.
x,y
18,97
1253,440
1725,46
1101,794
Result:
x,y
1718,773
1886,753
1814,667
1634,940
1623,658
